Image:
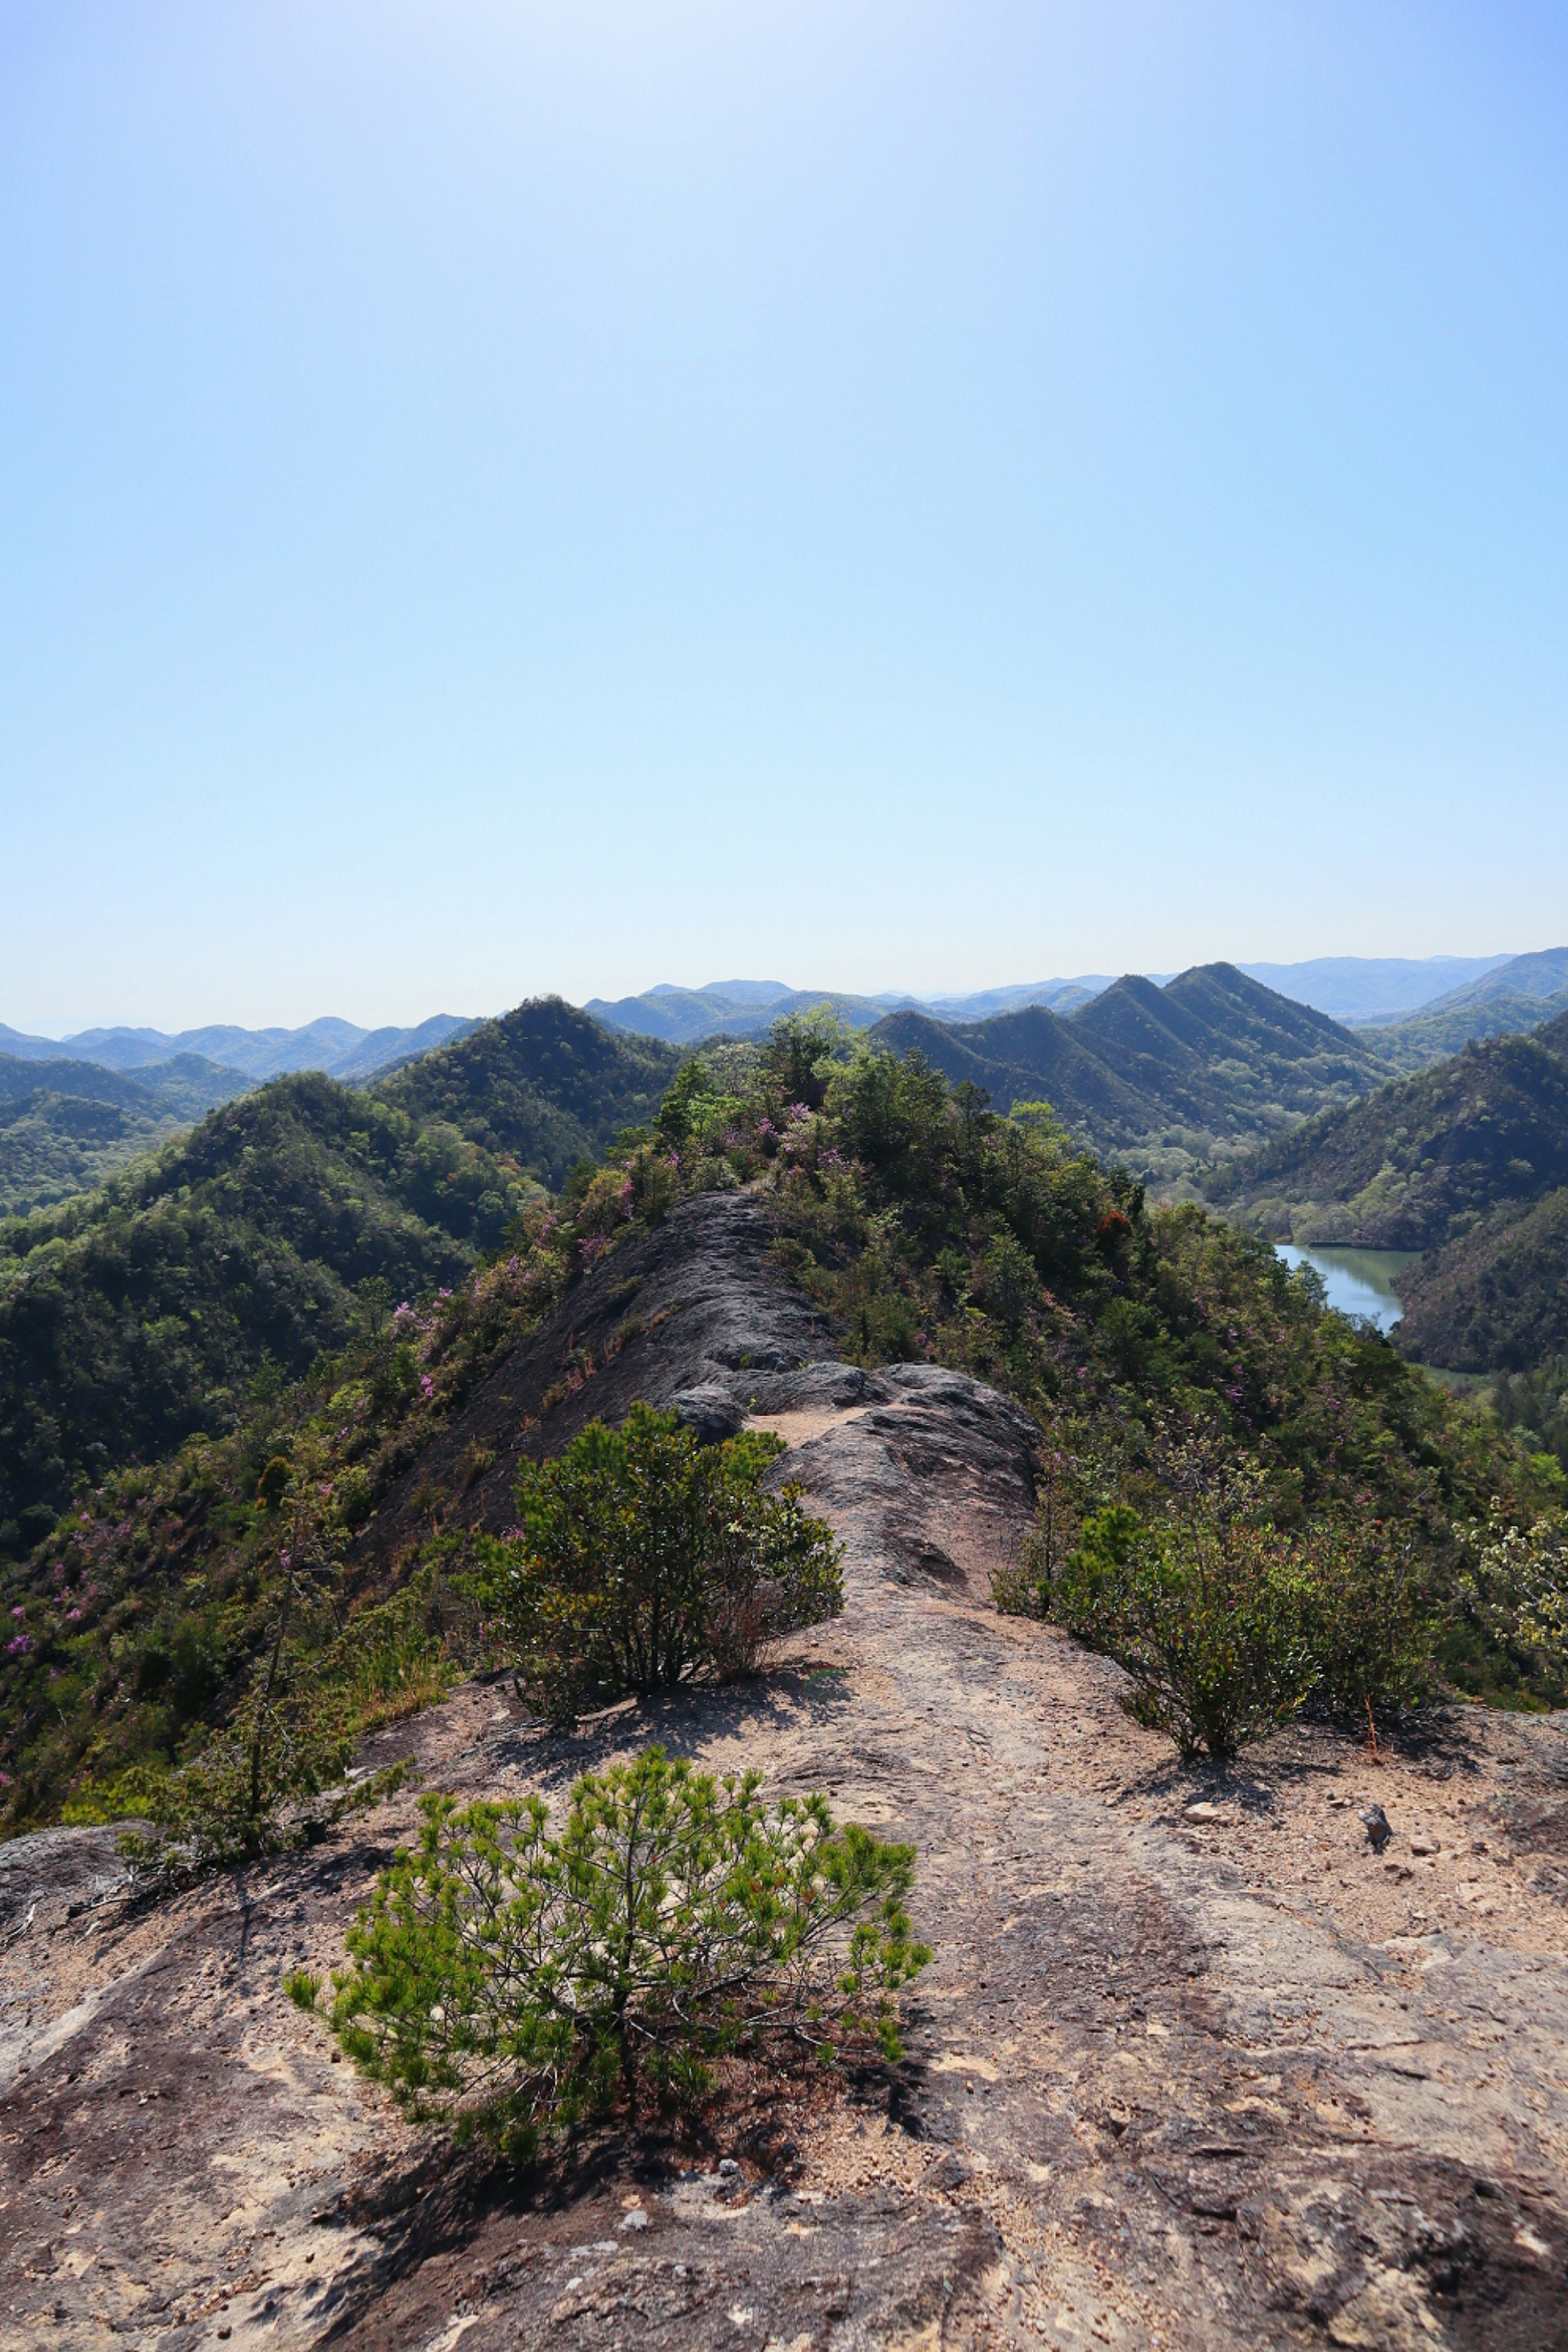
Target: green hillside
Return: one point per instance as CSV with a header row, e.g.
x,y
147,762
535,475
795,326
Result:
x,y
545,1085
1155,1346
1494,1300
1511,999
133,1315
1425,1158
66,1125
1162,1077
1467,1163
1427,1038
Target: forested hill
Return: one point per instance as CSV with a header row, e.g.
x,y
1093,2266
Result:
x,y
1522,995
1469,1163
134,1315
545,1084
1163,1076
67,1125
1425,1157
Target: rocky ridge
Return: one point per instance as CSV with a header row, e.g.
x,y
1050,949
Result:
x,y
1193,2066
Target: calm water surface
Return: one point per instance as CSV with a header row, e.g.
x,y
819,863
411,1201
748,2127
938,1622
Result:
x,y
1358,1281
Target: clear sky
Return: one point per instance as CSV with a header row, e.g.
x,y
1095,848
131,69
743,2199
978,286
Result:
x,y
497,498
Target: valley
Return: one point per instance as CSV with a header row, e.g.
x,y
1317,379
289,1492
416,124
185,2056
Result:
x,y
66,1125
1466,1163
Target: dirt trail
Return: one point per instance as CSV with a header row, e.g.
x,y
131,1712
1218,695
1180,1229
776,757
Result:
x,y
1223,2080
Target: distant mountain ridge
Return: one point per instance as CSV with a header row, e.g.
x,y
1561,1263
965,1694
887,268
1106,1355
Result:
x,y
1510,1000
1346,988
1423,1160
1163,1076
134,1314
748,1008
337,1048
1356,988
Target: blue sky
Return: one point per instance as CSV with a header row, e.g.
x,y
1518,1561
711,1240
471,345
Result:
x,y
498,499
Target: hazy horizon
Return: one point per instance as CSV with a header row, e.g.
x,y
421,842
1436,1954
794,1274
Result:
x,y
1258,967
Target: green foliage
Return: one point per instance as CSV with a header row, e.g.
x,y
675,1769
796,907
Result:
x,y
325,1678
542,1087
145,1609
643,1560
281,1744
274,1482
678,1112
1207,1614
1495,1299
1534,1405
66,1125
1375,1614
136,1316
1469,1163
926,1225
1066,1488
516,1982
1171,1078
1227,1624
801,1053
1427,1038
1516,1587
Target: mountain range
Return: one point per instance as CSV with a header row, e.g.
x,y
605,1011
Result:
x,y
338,1048
1163,1077
132,1315
1520,994
748,1008
1352,989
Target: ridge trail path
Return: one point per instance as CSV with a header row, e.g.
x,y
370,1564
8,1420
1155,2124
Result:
x,y
1213,2077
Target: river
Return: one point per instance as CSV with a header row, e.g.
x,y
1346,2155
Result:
x,y
1358,1281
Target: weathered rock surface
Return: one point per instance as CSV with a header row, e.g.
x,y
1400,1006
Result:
x,y
1193,2066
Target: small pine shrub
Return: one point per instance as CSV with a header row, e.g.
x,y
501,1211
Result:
x,y
507,1979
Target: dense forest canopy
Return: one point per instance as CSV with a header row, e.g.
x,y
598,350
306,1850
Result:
x,y
66,1125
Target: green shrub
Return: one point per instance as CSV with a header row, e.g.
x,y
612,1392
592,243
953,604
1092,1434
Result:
x,y
643,1560
1023,1587
281,1747
1370,1616
1209,1616
354,1500
274,1482
679,1111
1515,1587
1229,1624
1009,1283
517,1982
